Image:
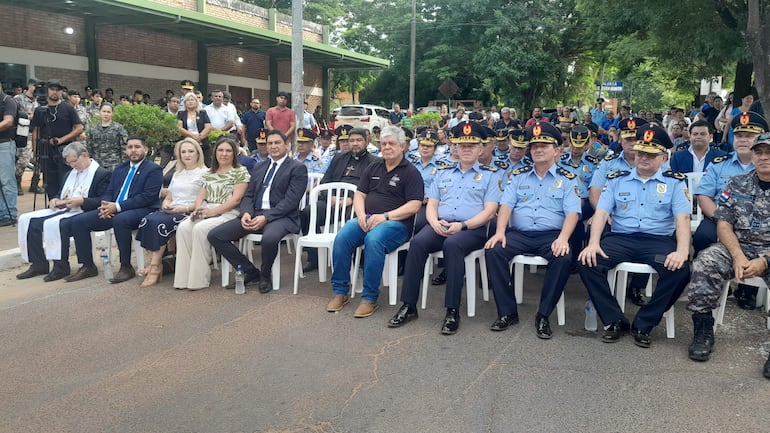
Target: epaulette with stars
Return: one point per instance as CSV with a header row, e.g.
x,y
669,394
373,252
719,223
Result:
x,y
565,156
443,165
674,174
488,168
502,165
609,157
566,173
521,170
722,158
617,174
592,159
413,158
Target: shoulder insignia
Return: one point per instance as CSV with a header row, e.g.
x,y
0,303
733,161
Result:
x,y
564,156
616,174
413,158
566,173
502,164
521,170
719,159
592,159
314,157
675,175
443,165
609,157
488,168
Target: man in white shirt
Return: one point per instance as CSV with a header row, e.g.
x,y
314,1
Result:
x,y
219,114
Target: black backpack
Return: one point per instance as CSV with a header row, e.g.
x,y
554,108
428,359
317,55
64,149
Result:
x,y
20,121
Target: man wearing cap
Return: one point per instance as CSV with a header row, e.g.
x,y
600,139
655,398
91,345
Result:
x,y
109,95
598,115
253,120
308,120
583,165
743,250
502,150
746,126
528,225
187,86
281,117
427,164
53,127
325,148
73,96
304,154
650,213
389,193
461,201
260,153
347,166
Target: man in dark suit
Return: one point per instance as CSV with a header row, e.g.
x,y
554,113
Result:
x,y
82,191
270,207
698,155
133,193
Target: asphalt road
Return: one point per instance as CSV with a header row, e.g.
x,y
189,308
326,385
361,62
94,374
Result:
x,y
95,357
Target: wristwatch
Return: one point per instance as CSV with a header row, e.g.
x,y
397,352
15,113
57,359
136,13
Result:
x,y
387,217
464,226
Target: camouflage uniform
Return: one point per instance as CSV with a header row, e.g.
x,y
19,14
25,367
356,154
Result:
x,y
107,144
744,205
24,154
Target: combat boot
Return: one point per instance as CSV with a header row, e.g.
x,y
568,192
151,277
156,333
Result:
x,y
703,337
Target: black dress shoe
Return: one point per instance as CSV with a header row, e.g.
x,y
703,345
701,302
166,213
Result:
x,y
543,327
32,272
5,222
55,275
265,283
766,370
440,279
451,321
83,273
615,331
125,273
635,295
502,323
406,313
641,338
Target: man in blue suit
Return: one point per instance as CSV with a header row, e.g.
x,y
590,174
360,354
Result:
x,y
133,193
697,156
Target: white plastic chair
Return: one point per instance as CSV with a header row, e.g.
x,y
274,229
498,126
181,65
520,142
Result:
x,y
517,265
135,245
389,272
247,247
336,217
470,277
763,298
617,278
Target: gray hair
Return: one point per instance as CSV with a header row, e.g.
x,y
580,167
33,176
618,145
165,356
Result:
x,y
75,148
505,109
395,131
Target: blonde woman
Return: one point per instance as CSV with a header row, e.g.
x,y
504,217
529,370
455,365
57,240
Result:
x,y
157,228
194,123
222,189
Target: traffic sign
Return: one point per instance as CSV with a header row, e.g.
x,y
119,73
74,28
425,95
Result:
x,y
611,86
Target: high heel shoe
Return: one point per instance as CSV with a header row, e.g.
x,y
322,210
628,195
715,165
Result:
x,y
154,274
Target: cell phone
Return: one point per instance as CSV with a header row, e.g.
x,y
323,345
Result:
x,y
660,258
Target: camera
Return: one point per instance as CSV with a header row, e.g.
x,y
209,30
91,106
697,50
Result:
x,y
41,92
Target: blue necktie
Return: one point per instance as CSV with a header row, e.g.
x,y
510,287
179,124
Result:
x,y
265,184
126,185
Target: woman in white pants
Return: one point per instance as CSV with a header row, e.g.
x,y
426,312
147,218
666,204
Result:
x,y
217,202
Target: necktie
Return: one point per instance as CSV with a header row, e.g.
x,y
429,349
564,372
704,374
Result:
x,y
265,184
126,185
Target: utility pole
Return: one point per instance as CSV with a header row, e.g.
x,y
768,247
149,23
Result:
x,y
411,57
297,65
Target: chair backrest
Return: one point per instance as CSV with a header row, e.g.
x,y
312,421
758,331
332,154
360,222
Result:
x,y
313,179
693,179
336,215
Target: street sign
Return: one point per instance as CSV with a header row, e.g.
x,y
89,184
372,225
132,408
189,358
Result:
x,y
448,88
611,86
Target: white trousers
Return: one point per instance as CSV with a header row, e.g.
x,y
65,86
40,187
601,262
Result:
x,y
193,251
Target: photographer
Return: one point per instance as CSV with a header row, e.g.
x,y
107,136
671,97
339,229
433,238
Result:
x,y
53,127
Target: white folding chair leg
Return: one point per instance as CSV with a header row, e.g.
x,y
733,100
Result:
x,y
323,261
484,277
470,284
518,282
719,313
670,327
275,271
560,314
620,289
225,272
426,280
297,268
392,277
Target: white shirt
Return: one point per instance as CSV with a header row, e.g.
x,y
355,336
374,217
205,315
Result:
x,y
697,164
219,116
234,113
266,195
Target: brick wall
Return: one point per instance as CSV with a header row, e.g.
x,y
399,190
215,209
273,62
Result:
x,y
313,73
71,79
146,47
190,5
223,60
44,31
125,85
236,16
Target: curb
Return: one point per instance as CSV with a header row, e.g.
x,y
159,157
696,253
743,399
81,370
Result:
x,y
10,259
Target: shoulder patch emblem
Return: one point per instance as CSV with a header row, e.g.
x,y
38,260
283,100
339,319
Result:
x,y
413,158
501,164
566,173
443,165
616,174
611,157
521,170
592,159
719,159
314,158
675,175
488,168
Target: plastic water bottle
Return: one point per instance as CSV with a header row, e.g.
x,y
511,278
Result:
x,y
240,287
107,265
590,323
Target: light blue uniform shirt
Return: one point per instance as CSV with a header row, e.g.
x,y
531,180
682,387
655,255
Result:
x,y
461,195
718,173
607,166
541,204
427,171
638,206
584,169
313,163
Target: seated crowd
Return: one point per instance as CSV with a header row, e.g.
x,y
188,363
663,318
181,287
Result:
x,y
471,189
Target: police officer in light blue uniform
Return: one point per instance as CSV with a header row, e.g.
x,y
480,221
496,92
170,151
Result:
x,y
305,151
325,149
502,151
583,165
650,213
260,154
538,212
462,200
517,155
427,164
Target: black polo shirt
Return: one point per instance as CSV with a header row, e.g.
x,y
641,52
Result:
x,y
387,190
55,121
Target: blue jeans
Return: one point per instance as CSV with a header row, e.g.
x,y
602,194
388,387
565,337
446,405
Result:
x,y
384,238
8,179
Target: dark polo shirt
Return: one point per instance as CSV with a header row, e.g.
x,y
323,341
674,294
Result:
x,y
388,190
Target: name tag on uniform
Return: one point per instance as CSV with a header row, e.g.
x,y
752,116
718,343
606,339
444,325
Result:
x,y
375,178
523,186
624,194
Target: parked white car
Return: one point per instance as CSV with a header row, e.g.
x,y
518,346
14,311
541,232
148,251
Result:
x,y
362,116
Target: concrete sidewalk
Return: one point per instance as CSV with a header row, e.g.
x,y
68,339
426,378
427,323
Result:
x,y
9,242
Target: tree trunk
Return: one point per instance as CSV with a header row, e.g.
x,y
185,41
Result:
x,y
743,71
758,38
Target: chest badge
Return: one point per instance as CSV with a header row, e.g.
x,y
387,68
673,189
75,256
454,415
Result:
x,y
557,184
662,188
477,177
